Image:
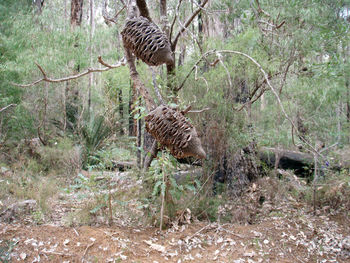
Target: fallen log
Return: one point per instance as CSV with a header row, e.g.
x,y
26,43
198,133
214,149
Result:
x,y
301,163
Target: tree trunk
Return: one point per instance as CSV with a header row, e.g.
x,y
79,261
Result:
x,y
39,5
200,27
131,115
139,136
121,110
182,55
76,14
72,93
90,49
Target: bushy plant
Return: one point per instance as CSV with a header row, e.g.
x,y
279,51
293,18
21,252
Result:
x,y
94,133
61,156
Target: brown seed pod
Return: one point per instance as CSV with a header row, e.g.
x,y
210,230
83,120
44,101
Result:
x,y
147,41
176,133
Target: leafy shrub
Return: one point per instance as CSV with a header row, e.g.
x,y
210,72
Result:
x,y
63,157
94,134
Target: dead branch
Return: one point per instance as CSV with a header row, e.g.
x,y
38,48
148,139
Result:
x,y
262,91
193,68
260,10
192,35
290,62
7,107
187,23
266,77
196,78
312,149
174,20
86,72
44,251
155,86
185,111
219,56
105,15
198,111
86,249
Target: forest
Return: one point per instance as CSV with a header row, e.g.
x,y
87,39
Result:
x,y
175,131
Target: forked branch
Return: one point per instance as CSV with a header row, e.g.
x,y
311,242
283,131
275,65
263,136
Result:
x,y
187,23
267,79
45,78
105,15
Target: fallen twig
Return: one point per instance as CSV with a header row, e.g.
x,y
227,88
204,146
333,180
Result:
x,y
8,106
44,251
86,249
76,232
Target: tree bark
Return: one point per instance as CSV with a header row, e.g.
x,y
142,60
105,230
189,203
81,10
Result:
x,y
76,13
39,5
90,49
121,111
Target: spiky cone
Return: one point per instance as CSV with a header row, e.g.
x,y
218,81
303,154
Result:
x,y
170,128
147,41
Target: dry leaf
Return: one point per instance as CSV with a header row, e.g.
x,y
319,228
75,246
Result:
x,y
157,247
23,256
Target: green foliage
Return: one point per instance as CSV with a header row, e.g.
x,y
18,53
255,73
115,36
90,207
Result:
x,y
94,134
102,197
162,180
6,248
61,156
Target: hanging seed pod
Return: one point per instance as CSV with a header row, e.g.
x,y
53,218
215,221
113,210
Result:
x,y
147,41
177,134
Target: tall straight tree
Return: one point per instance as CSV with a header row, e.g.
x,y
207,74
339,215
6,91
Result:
x,y
76,14
72,100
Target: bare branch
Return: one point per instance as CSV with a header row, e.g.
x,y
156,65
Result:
x,y
275,93
196,78
194,67
260,10
8,106
266,77
198,111
175,17
156,89
185,111
105,13
219,56
86,72
187,23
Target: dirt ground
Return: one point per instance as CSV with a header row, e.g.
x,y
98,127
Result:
x,y
294,238
282,231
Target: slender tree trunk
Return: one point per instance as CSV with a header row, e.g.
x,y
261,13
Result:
x,y
91,37
121,111
200,27
131,116
338,109
139,136
182,55
72,95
